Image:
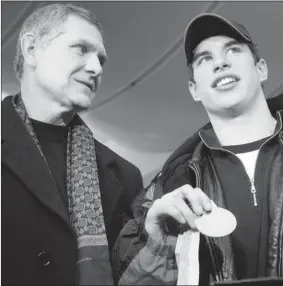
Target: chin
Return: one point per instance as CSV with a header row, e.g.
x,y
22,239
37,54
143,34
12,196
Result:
x,y
233,99
81,106
82,102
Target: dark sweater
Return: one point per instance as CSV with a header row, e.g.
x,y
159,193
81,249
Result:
x,y
53,141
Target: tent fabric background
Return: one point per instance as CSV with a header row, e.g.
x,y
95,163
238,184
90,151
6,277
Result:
x,y
154,114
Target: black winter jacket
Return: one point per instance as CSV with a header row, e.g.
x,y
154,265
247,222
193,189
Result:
x,y
139,259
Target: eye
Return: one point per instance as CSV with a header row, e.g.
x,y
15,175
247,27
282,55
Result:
x,y
81,49
102,60
204,59
234,50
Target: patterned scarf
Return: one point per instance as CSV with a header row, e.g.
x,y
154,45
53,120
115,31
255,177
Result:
x,y
85,209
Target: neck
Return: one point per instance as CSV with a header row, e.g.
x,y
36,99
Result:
x,y
42,108
254,124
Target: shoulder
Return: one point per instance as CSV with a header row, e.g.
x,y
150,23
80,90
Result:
x,y
275,103
7,109
6,100
111,156
127,172
108,157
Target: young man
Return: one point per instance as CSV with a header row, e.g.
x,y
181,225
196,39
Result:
x,y
65,196
236,161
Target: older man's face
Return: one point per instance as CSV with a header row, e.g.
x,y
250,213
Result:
x,y
69,67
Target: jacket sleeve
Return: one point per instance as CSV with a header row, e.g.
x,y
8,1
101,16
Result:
x,y
138,259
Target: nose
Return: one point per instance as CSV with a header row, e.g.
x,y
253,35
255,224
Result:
x,y
93,65
221,63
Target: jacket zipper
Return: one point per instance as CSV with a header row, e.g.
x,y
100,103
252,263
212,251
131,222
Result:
x,y
215,266
253,191
251,180
194,167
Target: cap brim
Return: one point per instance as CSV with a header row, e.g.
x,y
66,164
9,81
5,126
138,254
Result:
x,y
208,25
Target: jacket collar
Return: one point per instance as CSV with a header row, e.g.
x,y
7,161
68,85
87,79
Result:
x,y
275,104
210,139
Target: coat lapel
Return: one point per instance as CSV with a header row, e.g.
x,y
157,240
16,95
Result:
x,y
110,185
26,162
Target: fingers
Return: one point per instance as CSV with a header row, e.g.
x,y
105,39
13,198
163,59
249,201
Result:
x,y
163,208
186,213
182,205
170,206
197,200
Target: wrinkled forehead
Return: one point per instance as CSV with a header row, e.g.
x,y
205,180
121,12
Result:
x,y
74,24
75,28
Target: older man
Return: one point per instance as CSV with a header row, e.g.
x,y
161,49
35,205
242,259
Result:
x,y
65,196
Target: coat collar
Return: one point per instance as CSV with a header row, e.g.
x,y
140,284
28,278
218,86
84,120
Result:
x,y
210,139
22,157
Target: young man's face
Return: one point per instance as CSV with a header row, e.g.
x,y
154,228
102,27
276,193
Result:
x,y
69,67
225,73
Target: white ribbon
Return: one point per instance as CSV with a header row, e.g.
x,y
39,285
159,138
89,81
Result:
x,y
187,257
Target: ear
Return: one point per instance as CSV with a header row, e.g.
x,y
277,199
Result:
x,y
192,89
262,70
28,45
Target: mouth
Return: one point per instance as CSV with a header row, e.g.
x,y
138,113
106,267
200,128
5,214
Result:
x,y
225,81
91,86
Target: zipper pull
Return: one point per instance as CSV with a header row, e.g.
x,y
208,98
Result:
x,y
253,191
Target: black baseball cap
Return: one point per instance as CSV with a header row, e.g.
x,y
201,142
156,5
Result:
x,y
207,25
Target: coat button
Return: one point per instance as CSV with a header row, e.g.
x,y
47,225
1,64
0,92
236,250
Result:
x,y
44,258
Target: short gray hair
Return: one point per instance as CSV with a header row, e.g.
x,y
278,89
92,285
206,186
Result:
x,y
43,20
